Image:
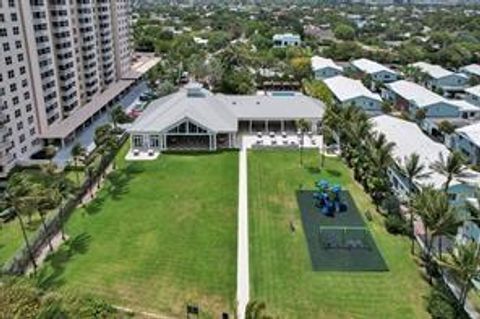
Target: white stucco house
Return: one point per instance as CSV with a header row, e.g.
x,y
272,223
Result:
x,y
472,95
347,91
409,138
324,68
286,39
196,119
441,78
376,71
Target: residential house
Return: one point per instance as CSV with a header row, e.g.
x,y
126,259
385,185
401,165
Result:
x,y
286,40
408,139
471,70
352,92
472,95
377,71
439,78
467,140
324,68
412,98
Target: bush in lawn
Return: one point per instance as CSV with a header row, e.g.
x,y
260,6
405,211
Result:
x,y
441,304
396,225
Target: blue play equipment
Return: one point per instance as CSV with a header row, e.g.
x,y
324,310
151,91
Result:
x,y
328,198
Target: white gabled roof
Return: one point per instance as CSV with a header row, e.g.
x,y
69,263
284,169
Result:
x,y
474,90
416,93
471,69
408,139
464,105
221,113
370,67
346,89
205,111
433,70
319,63
286,36
472,132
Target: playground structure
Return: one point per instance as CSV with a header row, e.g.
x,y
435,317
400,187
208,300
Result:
x,y
328,198
344,237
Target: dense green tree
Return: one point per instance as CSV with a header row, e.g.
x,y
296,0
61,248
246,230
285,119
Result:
x,y
344,32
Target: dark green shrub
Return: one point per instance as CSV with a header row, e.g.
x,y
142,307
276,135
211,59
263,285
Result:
x,y
441,304
396,225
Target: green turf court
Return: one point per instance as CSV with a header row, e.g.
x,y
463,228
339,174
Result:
x,y
281,272
341,242
161,234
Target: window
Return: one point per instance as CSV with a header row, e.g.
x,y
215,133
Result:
x,y
154,141
138,140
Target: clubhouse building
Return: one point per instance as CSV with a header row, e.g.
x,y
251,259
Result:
x,y
196,119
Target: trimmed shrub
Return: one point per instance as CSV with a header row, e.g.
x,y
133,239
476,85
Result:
x,y
441,304
396,225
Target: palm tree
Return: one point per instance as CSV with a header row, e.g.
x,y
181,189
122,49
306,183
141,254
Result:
x,y
302,126
413,169
105,140
43,203
472,206
16,196
255,310
464,263
451,166
447,220
78,152
56,189
117,114
438,217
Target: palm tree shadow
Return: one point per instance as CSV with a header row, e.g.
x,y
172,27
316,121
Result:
x,y
94,206
313,169
333,172
118,180
51,277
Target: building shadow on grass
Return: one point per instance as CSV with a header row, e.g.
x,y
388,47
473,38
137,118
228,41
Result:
x,y
50,276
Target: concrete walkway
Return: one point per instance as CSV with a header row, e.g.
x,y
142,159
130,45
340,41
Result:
x,y
243,272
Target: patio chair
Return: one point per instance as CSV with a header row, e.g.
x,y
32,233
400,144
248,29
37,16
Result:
x,y
284,134
150,152
136,152
272,134
259,134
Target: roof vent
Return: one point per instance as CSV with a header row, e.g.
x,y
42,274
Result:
x,y
234,102
258,102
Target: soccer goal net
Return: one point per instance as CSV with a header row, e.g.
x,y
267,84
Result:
x,y
344,237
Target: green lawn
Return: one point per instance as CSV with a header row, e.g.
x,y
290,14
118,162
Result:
x,y
11,238
162,233
280,267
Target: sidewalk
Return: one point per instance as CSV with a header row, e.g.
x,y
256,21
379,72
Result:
x,y
243,271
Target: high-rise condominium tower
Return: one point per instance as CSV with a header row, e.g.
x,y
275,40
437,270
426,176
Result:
x,y
56,57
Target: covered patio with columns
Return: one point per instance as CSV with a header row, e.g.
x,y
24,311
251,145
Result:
x,y
252,126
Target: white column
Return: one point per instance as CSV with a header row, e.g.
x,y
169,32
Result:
x,y
266,126
215,142
230,140
251,126
282,125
